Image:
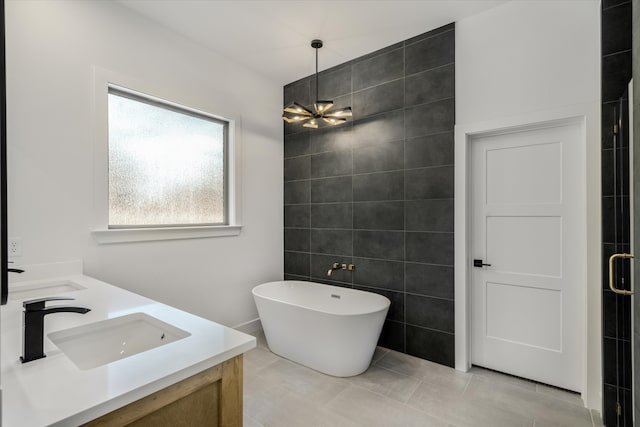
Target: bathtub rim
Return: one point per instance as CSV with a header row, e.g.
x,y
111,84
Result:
x,y
387,301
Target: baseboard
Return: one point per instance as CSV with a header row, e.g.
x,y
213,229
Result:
x,y
249,327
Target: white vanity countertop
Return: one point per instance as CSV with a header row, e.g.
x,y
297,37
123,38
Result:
x,y
53,391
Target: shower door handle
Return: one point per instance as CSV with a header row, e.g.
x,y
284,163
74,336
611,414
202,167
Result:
x,y
612,285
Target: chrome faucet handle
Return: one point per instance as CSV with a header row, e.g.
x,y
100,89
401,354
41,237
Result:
x,y
38,304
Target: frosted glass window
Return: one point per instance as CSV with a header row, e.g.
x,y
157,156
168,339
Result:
x,y
167,165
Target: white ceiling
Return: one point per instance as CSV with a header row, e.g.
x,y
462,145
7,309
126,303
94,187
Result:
x,y
273,37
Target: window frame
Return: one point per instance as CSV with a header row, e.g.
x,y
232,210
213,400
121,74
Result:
x,y
179,109
185,98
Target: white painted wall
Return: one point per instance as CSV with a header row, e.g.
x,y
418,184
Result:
x,y
538,59
51,48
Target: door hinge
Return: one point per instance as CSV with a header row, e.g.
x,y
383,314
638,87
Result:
x,y
618,409
615,129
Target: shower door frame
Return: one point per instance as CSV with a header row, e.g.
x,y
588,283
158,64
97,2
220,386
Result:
x,y
632,237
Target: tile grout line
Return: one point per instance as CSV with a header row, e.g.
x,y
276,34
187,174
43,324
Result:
x,y
404,76
466,386
353,235
310,152
378,259
404,196
318,178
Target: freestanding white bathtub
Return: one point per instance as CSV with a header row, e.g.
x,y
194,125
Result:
x,y
330,329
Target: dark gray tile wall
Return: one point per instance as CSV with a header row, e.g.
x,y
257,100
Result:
x,y
616,45
378,191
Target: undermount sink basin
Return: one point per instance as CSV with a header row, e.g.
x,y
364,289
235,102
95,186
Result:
x,y
103,342
41,290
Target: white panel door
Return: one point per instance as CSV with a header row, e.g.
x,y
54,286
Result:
x,y
526,205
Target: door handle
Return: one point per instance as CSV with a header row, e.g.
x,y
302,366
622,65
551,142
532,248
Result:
x,y
612,285
479,263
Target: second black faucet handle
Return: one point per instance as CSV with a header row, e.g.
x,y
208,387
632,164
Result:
x,y
38,304
14,270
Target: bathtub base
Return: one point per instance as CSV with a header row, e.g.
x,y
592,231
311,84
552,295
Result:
x,y
336,336
338,359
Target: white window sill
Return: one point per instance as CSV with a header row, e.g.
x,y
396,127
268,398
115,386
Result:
x,y
122,235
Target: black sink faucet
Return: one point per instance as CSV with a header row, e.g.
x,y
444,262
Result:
x,y
33,325
14,270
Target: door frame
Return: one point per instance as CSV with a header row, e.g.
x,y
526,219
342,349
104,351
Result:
x,y
588,118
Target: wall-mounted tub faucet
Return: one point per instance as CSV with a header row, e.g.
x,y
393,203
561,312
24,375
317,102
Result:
x,y
334,266
33,324
338,266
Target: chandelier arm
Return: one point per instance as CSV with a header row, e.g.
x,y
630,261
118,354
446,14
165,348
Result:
x,y
344,112
295,108
298,119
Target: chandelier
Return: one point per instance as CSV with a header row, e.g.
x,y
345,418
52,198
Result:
x,y
320,113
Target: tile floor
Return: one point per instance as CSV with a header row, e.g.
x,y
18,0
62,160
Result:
x,y
400,390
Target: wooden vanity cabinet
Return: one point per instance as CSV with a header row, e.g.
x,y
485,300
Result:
x,y
209,398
